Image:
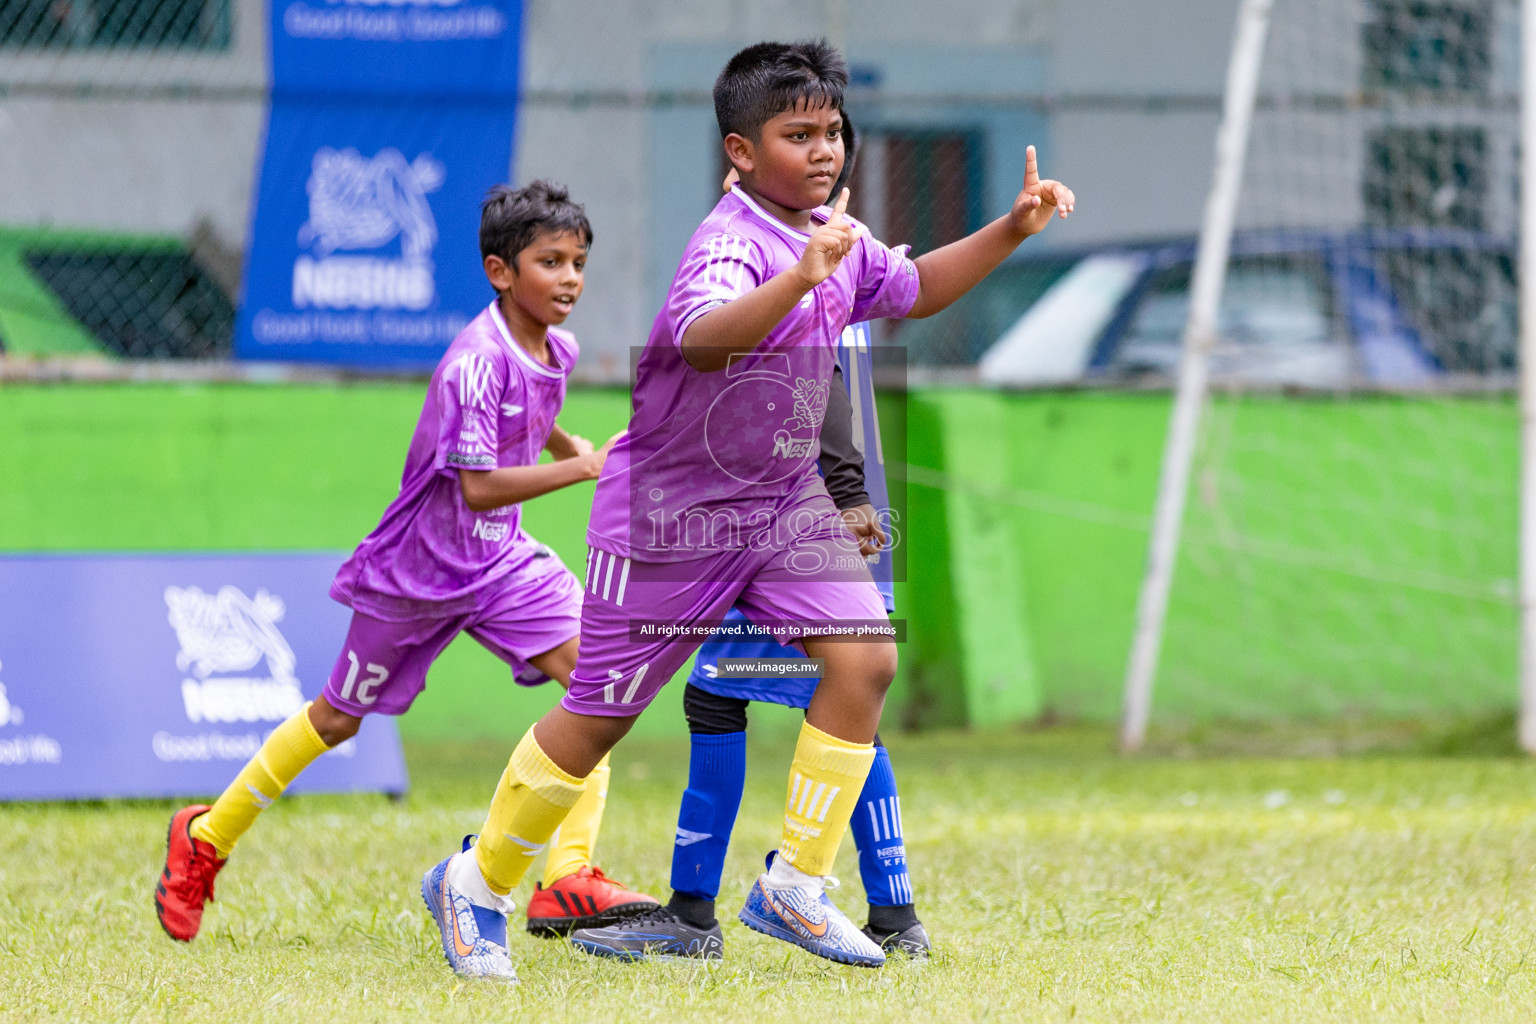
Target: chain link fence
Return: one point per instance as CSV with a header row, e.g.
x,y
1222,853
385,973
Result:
x,y
128,141
130,129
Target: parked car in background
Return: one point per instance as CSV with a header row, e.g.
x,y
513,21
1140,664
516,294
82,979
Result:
x,y
1385,307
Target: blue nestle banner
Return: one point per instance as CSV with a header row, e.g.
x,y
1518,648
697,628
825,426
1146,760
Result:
x,y
388,124
451,49
160,675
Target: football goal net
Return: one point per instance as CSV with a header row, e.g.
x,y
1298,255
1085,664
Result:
x,y
1337,525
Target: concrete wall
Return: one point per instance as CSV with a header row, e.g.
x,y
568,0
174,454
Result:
x,y
128,140
616,105
622,114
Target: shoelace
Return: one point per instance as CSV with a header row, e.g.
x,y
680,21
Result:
x,y
596,873
199,877
657,913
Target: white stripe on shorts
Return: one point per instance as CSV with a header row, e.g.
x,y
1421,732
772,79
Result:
x,y
623,582
634,684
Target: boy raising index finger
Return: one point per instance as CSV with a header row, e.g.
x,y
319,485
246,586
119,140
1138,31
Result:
x,y
712,498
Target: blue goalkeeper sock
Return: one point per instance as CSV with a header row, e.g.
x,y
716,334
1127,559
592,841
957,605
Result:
x,y
717,772
876,828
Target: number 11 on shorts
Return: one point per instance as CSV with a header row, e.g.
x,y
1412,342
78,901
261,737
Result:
x,y
615,675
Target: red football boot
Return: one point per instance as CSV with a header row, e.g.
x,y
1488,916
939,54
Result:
x,y
187,881
587,899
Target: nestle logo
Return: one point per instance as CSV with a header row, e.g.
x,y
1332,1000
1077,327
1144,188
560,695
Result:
x,y
360,203
241,700
362,282
491,531
788,447
230,631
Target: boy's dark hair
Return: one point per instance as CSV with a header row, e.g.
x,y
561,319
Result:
x,y
510,218
850,151
766,79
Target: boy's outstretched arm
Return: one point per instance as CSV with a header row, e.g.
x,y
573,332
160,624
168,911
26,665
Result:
x,y
741,324
948,273
487,489
566,446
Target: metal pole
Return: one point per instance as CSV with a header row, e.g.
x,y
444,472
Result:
x,y
1199,336
1527,376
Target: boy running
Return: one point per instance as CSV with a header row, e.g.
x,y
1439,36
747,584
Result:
x,y
450,556
716,709
712,499
852,464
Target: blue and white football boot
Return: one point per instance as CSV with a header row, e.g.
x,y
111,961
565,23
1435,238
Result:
x,y
474,936
804,915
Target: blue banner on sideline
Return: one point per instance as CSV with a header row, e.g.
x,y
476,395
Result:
x,y
160,675
388,124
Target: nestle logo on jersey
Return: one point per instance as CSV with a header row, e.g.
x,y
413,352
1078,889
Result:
x,y
787,447
491,531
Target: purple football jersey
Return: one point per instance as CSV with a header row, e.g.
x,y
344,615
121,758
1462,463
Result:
x,y
715,461
489,404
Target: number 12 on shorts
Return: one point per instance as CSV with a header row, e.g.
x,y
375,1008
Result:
x,y
367,690
616,676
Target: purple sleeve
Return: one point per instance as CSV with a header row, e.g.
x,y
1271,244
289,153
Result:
x,y
887,284
469,394
715,271
569,351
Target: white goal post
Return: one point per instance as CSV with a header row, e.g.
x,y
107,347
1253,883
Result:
x,y
1347,492
1527,287
1199,333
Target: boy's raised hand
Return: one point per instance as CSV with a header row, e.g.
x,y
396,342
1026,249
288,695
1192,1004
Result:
x,y
1038,200
829,244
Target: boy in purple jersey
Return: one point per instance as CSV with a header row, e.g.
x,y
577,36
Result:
x,y
450,556
715,704
712,498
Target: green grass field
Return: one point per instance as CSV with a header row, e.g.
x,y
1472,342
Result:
x,y
1059,881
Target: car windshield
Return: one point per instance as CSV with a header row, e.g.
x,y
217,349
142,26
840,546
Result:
x,y
1276,324
959,335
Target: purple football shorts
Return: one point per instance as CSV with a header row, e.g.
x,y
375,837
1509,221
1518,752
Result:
x,y
641,621
383,665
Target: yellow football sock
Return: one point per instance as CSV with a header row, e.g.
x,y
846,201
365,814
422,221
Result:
x,y
291,748
571,848
824,785
531,800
